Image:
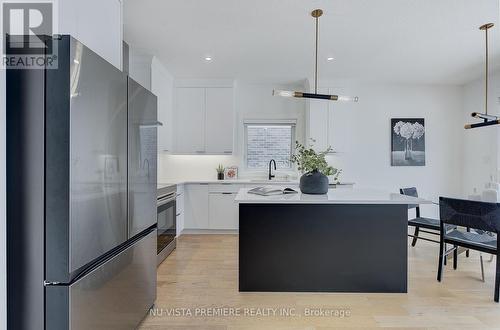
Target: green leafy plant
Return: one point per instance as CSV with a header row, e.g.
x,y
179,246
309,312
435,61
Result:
x,y
309,161
220,169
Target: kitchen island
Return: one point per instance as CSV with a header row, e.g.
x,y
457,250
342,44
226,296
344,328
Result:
x,y
349,240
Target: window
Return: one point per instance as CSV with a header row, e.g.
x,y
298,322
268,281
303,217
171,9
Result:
x,y
266,141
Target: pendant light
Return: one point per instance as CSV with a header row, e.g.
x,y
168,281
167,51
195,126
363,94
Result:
x,y
316,14
488,120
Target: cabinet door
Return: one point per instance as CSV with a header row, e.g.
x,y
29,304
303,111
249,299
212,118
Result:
x,y
196,206
223,211
219,120
190,120
318,123
179,206
342,120
162,87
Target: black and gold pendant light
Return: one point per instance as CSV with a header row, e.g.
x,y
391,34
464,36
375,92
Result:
x,y
488,120
316,14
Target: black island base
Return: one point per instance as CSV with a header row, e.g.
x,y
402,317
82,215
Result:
x,y
323,247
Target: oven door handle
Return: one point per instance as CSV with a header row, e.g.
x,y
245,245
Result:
x,y
166,200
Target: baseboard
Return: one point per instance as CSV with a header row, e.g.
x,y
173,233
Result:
x,y
208,231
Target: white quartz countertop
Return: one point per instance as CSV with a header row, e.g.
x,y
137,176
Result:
x,y
248,181
334,196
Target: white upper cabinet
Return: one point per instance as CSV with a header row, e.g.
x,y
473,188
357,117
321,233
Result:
x,y
341,121
190,120
328,122
204,120
162,84
317,118
219,120
98,24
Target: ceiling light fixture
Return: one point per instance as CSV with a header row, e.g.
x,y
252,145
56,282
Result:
x,y
208,58
488,120
316,14
329,58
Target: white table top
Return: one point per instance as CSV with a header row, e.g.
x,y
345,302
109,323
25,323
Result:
x,y
334,196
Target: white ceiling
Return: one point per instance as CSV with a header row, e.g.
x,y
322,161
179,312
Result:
x,y
410,41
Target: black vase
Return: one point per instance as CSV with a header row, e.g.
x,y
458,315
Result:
x,y
220,176
314,183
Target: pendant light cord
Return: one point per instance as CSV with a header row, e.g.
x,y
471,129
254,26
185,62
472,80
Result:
x,y
316,60
486,76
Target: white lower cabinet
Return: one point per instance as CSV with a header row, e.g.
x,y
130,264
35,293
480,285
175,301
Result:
x,y
196,206
210,207
179,212
223,211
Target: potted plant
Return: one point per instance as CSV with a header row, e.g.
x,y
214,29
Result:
x,y
220,172
315,169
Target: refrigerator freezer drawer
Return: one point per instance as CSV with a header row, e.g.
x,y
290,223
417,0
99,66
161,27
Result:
x,y
115,295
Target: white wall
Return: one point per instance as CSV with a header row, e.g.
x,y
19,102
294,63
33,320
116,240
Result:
x,y
3,218
252,101
481,145
362,134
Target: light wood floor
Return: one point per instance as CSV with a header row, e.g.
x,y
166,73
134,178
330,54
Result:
x,y
202,272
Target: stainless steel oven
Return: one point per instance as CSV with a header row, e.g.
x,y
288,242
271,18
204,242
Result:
x,y
166,215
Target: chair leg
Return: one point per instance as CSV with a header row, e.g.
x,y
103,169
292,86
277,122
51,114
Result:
x,y
455,257
467,253
442,260
497,279
415,235
445,259
482,266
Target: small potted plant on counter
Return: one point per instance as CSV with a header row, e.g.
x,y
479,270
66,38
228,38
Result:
x,y
220,172
315,169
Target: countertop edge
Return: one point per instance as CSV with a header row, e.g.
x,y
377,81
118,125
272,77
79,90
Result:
x,y
244,198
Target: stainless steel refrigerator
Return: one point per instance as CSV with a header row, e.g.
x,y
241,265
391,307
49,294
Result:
x,y
81,195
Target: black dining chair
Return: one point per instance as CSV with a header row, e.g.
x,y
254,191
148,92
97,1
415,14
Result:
x,y
428,225
483,221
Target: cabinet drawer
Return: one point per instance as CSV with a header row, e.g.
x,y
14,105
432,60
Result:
x,y
224,187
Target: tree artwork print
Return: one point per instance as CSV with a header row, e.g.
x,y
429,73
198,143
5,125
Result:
x,y
407,142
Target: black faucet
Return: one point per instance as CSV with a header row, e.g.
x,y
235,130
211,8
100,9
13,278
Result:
x,y
271,176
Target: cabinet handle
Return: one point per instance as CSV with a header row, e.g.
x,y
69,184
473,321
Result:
x,y
203,184
228,152
226,193
200,151
177,214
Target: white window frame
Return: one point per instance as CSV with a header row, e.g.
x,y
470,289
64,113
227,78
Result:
x,y
268,122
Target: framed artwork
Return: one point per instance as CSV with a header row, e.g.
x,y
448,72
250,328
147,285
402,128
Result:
x,y
407,142
231,173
